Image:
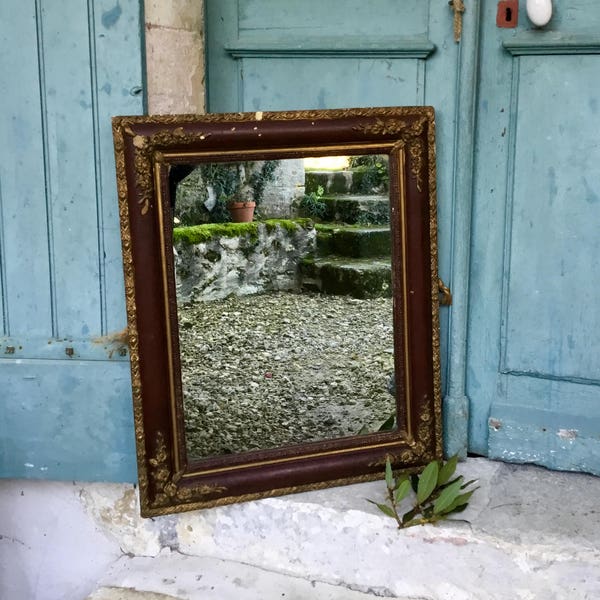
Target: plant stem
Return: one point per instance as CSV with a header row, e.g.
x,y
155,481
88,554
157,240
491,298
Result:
x,y
395,509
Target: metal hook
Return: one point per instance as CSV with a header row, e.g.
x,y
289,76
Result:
x,y
445,293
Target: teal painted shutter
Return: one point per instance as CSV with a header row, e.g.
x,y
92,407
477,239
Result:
x,y
273,55
534,349
65,399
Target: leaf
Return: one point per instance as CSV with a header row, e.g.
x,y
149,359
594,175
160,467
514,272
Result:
x,y
452,481
464,485
459,503
428,512
389,475
402,491
388,424
412,522
384,508
400,480
427,481
409,516
414,482
447,470
447,497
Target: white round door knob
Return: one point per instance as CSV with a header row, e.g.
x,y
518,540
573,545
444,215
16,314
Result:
x,y
539,12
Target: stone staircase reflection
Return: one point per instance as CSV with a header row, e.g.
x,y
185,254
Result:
x,y
353,254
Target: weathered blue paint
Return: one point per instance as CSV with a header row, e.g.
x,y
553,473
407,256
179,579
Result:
x,y
456,402
70,421
65,405
294,55
533,374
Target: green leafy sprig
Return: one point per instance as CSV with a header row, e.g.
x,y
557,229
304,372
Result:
x,y
437,493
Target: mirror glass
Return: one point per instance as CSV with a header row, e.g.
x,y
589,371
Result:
x,y
285,302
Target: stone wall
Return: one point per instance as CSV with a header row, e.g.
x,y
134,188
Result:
x,y
195,198
262,257
284,191
175,56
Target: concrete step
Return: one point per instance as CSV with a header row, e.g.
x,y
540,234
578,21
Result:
x,y
343,276
354,241
357,209
174,576
527,534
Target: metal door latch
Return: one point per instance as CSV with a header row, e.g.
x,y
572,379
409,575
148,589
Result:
x,y
458,6
445,293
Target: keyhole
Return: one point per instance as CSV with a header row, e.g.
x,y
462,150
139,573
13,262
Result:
x,y
509,15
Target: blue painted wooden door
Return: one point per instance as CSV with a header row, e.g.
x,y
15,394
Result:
x,y
273,55
534,349
65,391
531,356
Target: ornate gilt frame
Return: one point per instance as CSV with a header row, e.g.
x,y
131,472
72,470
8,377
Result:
x,y
145,147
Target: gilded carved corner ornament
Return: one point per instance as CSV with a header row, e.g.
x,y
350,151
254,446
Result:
x,y
148,150
410,135
167,487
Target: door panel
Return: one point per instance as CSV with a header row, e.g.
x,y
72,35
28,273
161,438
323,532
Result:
x,y
299,54
532,360
25,308
556,185
315,18
317,82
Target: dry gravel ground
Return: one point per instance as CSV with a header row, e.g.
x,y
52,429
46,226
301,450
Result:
x,y
277,369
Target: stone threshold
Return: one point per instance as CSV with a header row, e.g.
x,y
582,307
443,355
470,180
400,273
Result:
x,y
529,533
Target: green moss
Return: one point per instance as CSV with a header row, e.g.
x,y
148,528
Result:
x,y
198,234
290,225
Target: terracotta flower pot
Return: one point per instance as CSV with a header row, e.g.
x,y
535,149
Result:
x,y
241,212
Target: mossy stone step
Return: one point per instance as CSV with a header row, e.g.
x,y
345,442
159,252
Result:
x,y
354,241
357,210
342,276
332,182
347,181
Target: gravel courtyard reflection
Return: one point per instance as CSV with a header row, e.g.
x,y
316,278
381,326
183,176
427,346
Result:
x,y
270,370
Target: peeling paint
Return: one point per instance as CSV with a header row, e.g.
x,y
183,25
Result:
x,y
495,424
110,17
567,434
116,337
116,513
117,341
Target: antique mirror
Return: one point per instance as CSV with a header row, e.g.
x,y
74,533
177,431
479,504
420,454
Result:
x,y
296,347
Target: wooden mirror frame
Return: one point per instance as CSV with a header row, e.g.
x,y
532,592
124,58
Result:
x,y
145,147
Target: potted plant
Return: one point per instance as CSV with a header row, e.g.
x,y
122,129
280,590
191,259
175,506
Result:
x,y
241,204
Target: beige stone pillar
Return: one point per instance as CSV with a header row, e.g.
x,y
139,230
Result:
x,y
175,56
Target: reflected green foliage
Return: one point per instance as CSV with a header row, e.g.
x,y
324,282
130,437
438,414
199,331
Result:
x,y
370,173
312,205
